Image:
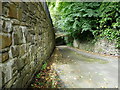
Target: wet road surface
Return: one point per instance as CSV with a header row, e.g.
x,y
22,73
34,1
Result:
x,y
79,69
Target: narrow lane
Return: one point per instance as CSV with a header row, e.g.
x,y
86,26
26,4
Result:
x,y
84,70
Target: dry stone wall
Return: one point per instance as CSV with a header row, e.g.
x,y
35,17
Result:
x,y
102,46
26,40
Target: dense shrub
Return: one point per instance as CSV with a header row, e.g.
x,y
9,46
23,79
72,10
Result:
x,y
102,19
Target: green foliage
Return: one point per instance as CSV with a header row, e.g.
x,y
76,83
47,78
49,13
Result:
x,y
102,19
110,22
44,66
38,75
78,17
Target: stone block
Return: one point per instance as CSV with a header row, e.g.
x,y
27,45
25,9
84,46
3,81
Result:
x,y
12,11
25,70
18,37
25,80
4,57
23,6
5,41
24,31
22,50
1,76
20,63
14,51
5,10
15,39
1,24
14,67
7,26
26,75
33,49
36,38
27,47
76,43
24,17
32,32
15,22
10,83
7,71
37,30
32,67
19,14
0,8
18,83
27,59
29,38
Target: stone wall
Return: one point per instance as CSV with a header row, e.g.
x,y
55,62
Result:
x,y
102,46
26,40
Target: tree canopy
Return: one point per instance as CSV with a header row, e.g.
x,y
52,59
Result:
x,y
102,19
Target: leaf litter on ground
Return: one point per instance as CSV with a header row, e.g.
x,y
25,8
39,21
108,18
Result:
x,y
47,77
